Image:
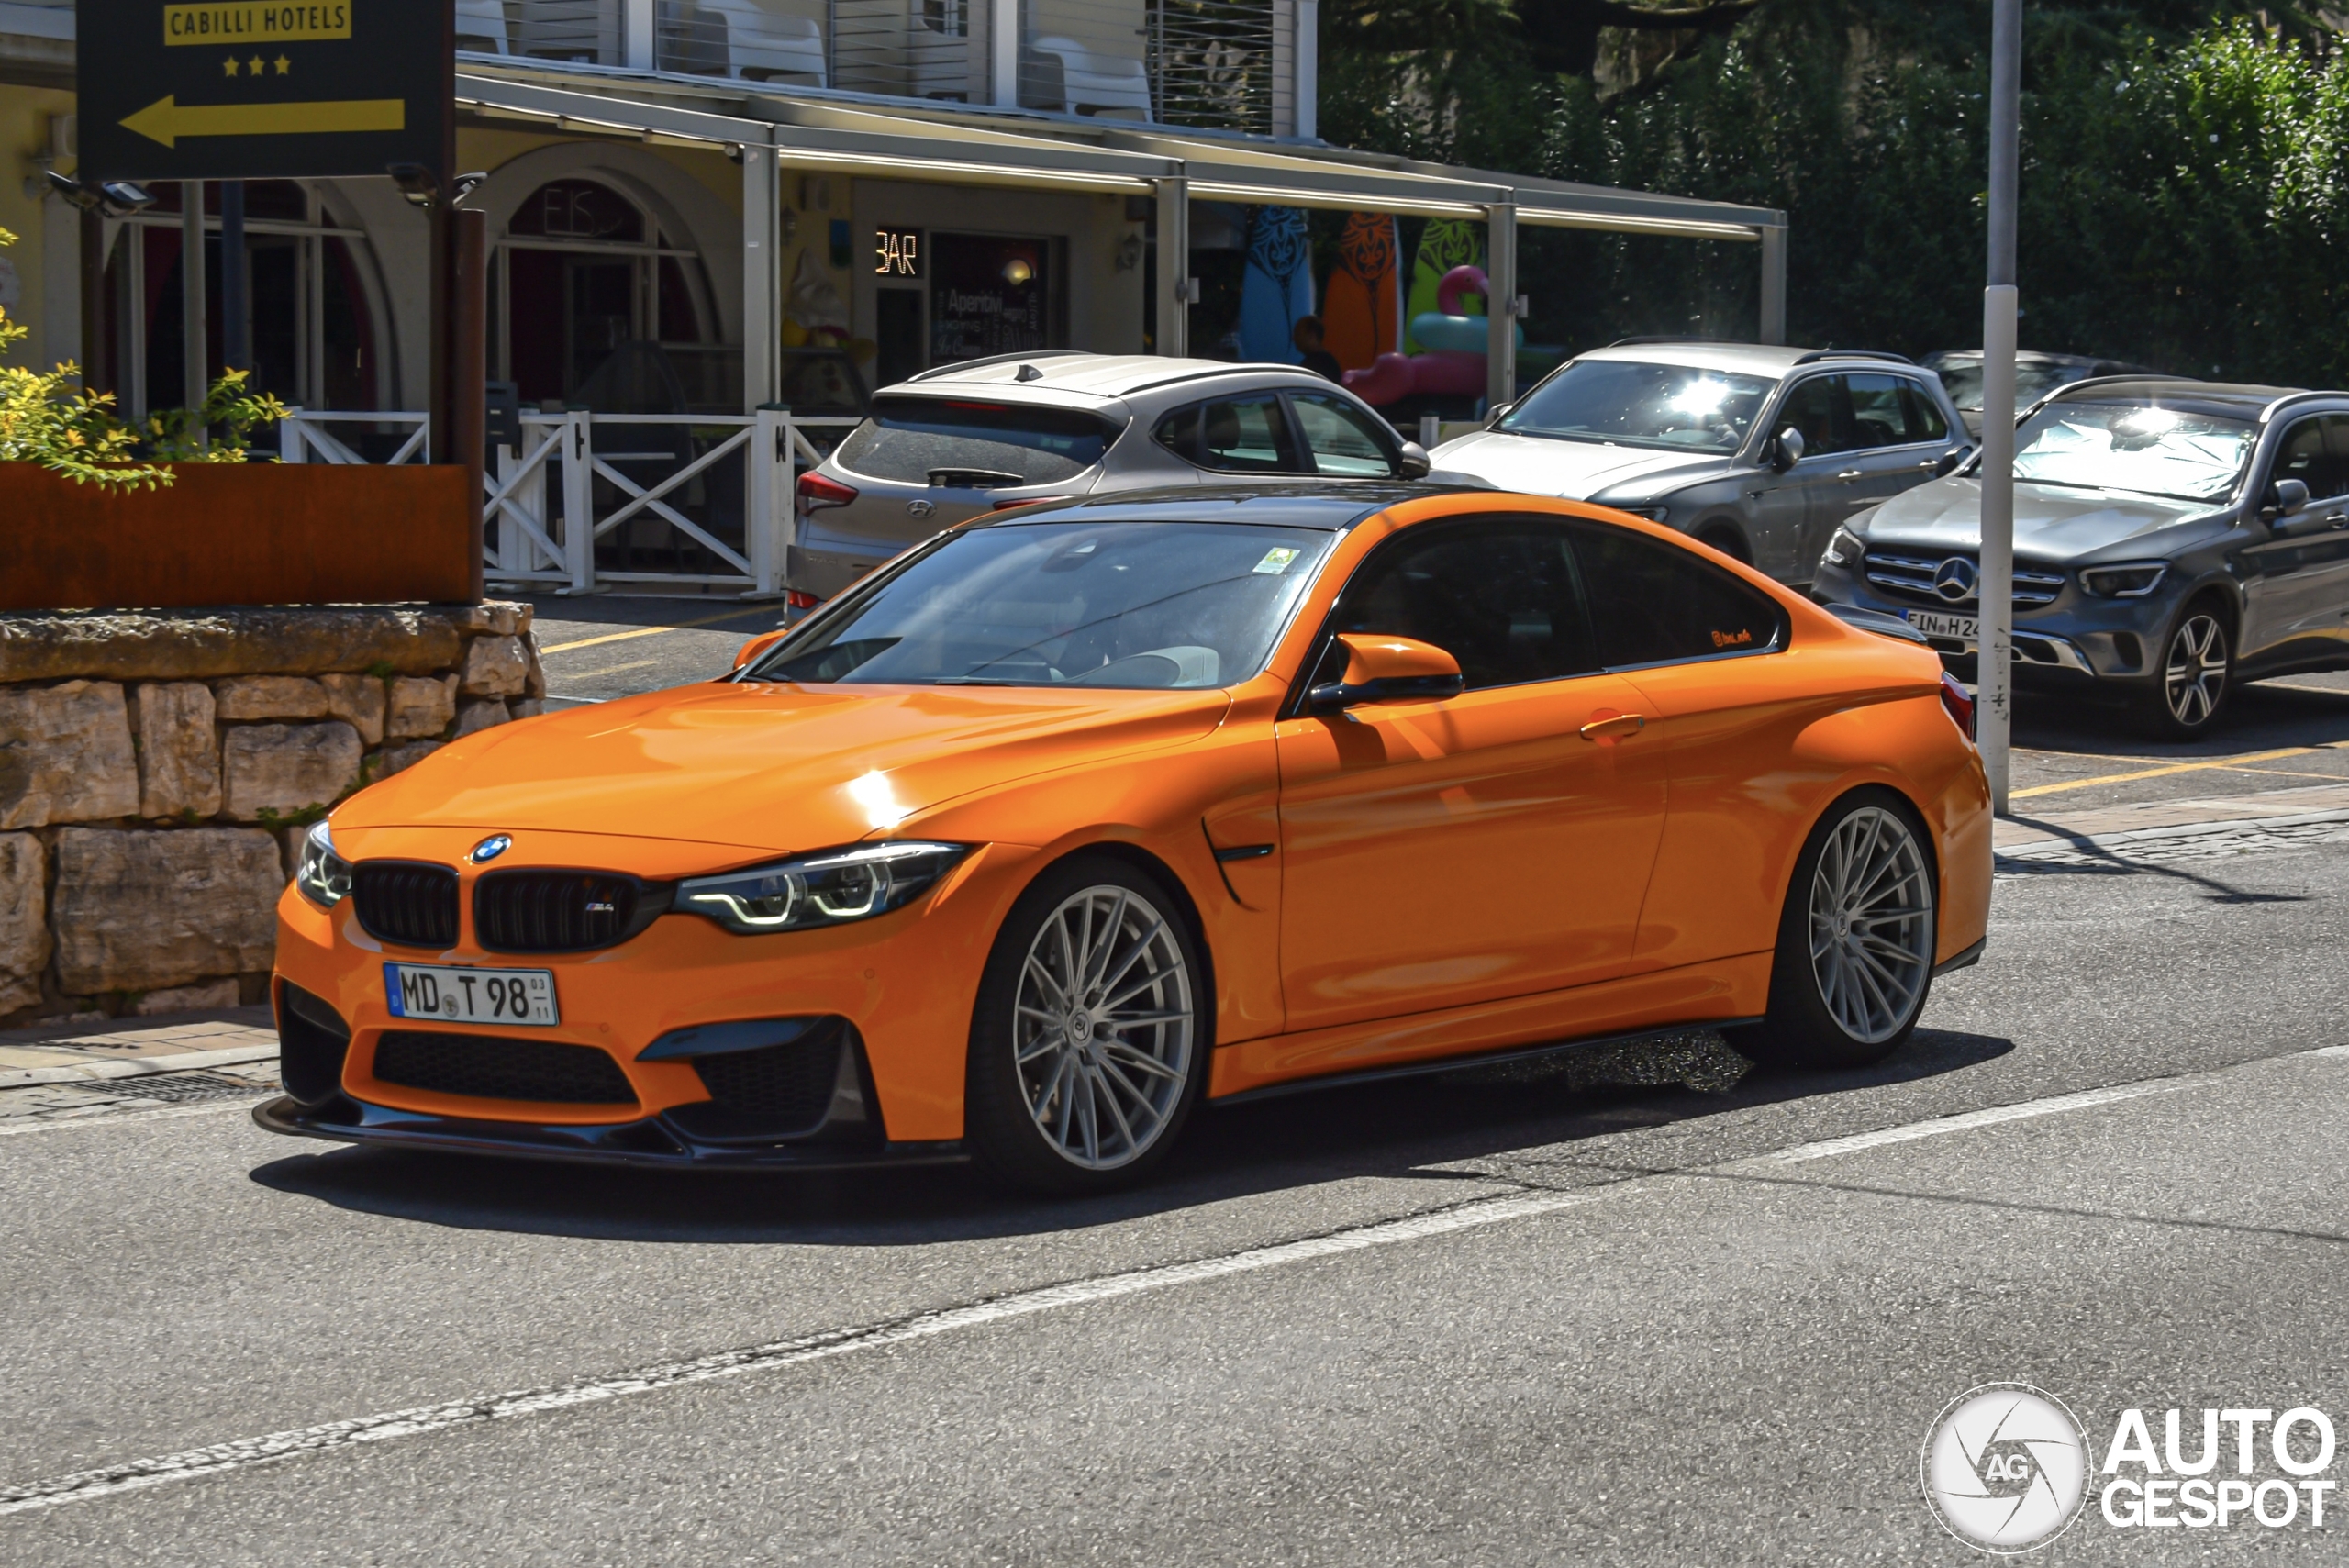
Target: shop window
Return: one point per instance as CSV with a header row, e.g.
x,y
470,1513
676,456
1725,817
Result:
x,y
988,295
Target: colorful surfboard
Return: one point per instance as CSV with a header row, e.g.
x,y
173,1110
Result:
x,y
1278,287
1358,309
1449,242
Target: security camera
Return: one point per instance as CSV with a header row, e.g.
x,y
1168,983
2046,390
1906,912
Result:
x,y
418,184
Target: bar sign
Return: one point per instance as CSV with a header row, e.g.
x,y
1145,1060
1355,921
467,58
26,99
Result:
x,y
256,23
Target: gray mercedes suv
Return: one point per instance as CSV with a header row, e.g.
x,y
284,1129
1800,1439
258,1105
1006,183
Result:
x,y
2171,538
1761,453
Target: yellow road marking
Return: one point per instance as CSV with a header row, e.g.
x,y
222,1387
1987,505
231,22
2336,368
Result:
x,y
611,670
2175,768
657,631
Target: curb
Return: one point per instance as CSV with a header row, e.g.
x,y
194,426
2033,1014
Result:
x,y
2181,830
136,1067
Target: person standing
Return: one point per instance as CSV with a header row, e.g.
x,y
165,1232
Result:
x,y
1306,336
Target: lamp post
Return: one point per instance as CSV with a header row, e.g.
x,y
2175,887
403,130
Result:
x,y
1994,661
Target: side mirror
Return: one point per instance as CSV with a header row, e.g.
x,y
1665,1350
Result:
x,y
1786,449
758,645
1499,412
1416,461
1389,669
2287,499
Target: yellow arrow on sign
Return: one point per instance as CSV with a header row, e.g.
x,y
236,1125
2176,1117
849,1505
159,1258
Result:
x,y
166,120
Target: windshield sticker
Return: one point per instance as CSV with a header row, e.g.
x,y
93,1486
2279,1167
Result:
x,y
1276,561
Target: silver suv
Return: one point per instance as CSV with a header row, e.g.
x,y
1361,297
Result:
x,y
978,437
1761,453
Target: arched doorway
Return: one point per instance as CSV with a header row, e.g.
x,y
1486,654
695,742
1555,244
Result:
x,y
602,305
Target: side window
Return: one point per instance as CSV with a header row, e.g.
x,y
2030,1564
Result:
x,y
2304,457
1821,409
1922,414
1179,433
1652,602
1244,434
1339,438
1500,595
2336,444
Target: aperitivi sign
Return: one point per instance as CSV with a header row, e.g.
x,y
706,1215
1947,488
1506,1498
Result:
x,y
263,89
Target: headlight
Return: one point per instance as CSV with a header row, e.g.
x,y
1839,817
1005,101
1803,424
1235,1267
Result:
x,y
323,876
2132,581
1845,549
828,888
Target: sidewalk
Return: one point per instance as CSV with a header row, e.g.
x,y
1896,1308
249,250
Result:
x,y
2262,818
64,1071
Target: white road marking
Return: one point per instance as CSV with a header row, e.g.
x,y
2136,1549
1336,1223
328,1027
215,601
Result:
x,y
136,1474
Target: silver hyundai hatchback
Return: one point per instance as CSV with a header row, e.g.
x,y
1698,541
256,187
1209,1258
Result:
x,y
967,438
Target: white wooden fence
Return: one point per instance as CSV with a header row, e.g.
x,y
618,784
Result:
x,y
631,484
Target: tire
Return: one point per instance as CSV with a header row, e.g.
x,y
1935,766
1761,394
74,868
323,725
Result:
x,y
2194,677
1066,1099
1835,1003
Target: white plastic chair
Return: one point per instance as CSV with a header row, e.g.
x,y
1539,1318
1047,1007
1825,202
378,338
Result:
x,y
1092,82
481,26
760,44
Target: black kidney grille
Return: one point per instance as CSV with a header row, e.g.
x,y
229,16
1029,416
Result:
x,y
785,1087
555,911
493,1067
399,901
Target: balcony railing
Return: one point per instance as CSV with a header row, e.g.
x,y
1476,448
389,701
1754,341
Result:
x,y
1228,64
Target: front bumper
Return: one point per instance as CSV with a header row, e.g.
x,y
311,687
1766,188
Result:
x,y
2078,641
654,1140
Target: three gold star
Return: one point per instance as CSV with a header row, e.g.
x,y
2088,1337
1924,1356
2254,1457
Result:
x,y
230,65
283,65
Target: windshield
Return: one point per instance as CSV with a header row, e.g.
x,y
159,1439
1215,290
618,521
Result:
x,y
936,440
1048,603
2033,382
1625,404
2153,452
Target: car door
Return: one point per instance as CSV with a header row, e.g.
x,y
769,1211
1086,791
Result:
x,y
1819,409
2297,577
1444,853
1340,441
1700,645
1901,441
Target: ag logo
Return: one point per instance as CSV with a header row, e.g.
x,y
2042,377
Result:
x,y
1955,579
2006,1467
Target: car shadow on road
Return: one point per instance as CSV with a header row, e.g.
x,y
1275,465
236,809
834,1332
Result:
x,y
2260,715
1422,1128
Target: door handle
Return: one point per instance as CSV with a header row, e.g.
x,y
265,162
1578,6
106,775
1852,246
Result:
x,y
1851,473
2338,520
1613,727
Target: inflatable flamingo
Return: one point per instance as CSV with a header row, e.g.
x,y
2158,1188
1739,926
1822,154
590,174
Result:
x,y
1453,364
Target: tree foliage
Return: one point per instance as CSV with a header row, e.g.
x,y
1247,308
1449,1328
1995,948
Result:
x,y
46,418
2185,191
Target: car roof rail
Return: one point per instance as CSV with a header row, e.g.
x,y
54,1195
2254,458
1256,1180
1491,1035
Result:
x,y
958,366
1816,355
1658,337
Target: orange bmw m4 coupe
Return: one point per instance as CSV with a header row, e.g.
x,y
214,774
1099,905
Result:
x,y
1071,819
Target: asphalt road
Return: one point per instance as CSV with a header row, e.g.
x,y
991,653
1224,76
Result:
x,y
1517,1320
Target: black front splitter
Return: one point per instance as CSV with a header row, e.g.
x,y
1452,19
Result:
x,y
652,1142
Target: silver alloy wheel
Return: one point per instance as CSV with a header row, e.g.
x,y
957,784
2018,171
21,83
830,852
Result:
x,y
2194,677
1871,924
1103,1029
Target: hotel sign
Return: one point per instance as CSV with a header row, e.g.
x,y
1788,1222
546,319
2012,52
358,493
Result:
x,y
263,89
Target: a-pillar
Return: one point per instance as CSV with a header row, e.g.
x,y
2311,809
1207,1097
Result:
x,y
1500,303
1174,304
761,276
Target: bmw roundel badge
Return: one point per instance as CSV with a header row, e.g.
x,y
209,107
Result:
x,y
489,849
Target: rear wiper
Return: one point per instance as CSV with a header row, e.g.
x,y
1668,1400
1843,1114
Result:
x,y
973,478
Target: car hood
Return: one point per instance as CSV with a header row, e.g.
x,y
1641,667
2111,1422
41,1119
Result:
x,y
770,767
1577,471
2051,522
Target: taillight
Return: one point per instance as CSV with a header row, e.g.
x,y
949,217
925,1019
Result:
x,y
799,601
816,492
1959,705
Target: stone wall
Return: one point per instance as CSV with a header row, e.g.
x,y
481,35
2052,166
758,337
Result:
x,y
158,770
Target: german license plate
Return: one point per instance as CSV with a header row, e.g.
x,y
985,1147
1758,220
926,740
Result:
x,y
1963,629
471,996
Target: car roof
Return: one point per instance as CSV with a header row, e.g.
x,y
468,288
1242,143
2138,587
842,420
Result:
x,y
1737,359
1062,377
1304,504
1941,357
2217,400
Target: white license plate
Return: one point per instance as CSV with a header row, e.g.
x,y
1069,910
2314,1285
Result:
x,y
471,996
1965,629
